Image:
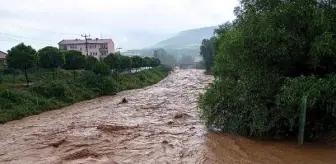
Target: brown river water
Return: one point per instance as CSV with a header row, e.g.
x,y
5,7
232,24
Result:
x,y
159,125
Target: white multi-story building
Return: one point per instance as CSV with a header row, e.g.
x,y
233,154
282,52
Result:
x,y
98,48
132,53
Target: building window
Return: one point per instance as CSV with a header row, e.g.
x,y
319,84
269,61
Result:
x,y
73,47
93,53
103,46
93,46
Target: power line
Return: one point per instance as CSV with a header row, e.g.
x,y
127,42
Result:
x,y
37,29
17,36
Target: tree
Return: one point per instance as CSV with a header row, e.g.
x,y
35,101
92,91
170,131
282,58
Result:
x,y
206,52
100,68
125,62
155,62
22,57
51,58
113,61
146,62
136,62
74,60
272,55
90,62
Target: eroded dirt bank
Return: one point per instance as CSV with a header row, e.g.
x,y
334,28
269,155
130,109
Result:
x,y
159,124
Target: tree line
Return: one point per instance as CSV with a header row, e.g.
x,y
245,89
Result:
x,y
265,61
25,57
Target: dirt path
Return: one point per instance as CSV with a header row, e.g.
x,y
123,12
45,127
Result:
x,y
159,124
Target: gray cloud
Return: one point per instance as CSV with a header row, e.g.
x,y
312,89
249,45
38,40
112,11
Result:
x,y
130,23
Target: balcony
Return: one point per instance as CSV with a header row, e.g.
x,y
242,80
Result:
x,y
104,49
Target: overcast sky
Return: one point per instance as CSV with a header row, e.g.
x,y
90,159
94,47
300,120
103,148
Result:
x,y
130,23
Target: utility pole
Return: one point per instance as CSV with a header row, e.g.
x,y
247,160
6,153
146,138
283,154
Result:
x,y
86,43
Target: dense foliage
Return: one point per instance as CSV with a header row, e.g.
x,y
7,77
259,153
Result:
x,y
207,54
100,68
74,60
122,63
51,58
265,61
90,62
22,57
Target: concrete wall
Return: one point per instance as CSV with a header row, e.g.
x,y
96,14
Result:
x,y
110,46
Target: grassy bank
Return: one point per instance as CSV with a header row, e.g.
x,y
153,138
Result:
x,y
17,101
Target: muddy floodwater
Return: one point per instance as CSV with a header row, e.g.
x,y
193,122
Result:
x,y
159,124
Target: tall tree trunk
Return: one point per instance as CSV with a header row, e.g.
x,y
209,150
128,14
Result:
x,y
53,70
26,75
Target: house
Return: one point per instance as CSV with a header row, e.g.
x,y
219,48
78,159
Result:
x,y
99,48
132,53
2,58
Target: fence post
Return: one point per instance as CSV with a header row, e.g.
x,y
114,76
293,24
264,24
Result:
x,y
303,111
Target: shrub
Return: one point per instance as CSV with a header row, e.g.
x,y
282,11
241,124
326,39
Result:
x,y
90,62
54,89
103,85
321,104
100,68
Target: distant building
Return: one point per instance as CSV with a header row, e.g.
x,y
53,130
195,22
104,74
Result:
x,y
131,53
2,58
98,48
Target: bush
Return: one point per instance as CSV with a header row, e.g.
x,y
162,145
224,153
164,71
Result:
x,y
54,89
321,104
100,68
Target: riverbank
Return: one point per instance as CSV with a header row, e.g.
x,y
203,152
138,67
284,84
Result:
x,y
17,101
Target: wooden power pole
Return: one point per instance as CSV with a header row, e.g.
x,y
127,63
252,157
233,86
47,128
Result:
x,y
86,43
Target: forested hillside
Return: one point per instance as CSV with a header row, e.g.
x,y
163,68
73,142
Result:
x,y
186,39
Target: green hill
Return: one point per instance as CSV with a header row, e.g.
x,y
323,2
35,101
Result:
x,y
189,39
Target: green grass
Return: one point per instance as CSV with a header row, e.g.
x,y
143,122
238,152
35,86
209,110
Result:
x,y
17,101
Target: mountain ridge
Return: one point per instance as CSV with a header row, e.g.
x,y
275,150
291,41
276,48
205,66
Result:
x,y
186,38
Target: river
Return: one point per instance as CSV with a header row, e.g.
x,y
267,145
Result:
x,y
159,124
